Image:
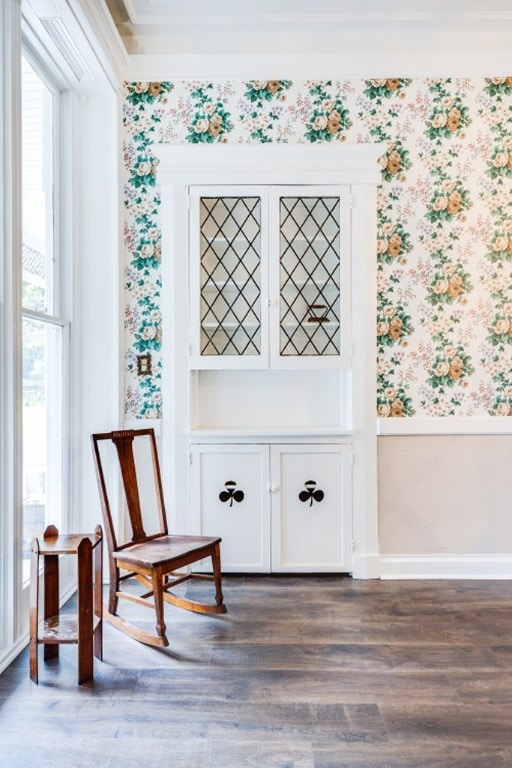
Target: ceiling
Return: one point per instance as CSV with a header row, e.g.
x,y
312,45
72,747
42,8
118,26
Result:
x,y
226,27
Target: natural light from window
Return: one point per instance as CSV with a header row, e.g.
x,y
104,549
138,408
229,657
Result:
x,y
42,330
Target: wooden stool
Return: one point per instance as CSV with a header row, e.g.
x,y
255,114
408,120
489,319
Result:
x,y
85,628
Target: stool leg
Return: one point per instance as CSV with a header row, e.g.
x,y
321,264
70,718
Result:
x,y
51,598
34,610
98,597
85,611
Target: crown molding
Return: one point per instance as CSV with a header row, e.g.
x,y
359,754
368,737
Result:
x,y
318,66
177,12
102,35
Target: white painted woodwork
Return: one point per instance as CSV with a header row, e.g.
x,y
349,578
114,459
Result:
x,y
270,528
369,36
210,413
243,525
312,535
271,400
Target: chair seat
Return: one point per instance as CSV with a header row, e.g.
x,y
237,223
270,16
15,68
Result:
x,y
163,550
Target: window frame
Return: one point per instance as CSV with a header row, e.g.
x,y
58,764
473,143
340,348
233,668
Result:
x,y
89,236
61,307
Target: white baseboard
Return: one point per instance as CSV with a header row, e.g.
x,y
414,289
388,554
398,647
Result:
x,y
13,652
446,566
366,567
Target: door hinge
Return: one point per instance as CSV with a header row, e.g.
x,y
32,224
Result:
x,y
190,457
353,546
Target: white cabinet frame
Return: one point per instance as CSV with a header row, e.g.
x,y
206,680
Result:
x,y
325,164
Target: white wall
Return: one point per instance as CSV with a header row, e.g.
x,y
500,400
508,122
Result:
x,y
445,505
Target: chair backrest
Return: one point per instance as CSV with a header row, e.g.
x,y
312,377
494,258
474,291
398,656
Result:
x,y
123,440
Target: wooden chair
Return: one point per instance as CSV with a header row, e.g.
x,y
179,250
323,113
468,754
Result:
x,y
153,559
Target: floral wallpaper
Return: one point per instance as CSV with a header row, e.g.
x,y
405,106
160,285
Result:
x,y
444,245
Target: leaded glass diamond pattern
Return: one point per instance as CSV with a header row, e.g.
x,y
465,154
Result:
x,y
230,275
309,276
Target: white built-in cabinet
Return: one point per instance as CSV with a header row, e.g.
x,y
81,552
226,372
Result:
x,y
264,440
279,508
269,322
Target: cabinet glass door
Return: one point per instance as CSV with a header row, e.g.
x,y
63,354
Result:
x,y
231,277
269,277
309,275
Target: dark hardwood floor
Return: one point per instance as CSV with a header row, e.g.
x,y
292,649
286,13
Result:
x,y
302,672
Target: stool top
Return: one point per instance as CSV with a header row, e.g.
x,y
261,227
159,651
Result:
x,y
53,543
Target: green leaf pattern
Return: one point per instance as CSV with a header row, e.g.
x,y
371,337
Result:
x,y
444,221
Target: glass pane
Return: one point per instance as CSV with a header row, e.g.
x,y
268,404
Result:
x,y
37,192
230,275
42,430
309,276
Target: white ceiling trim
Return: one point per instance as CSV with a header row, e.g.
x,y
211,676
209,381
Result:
x,y
329,66
275,11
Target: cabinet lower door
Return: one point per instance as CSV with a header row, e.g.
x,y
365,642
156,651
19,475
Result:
x,y
229,498
311,508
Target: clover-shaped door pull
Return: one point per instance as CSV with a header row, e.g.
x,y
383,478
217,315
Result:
x,y
231,494
311,493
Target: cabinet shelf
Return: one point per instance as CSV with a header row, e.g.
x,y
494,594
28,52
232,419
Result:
x,y
320,239
229,326
229,285
308,325
219,239
309,281
267,433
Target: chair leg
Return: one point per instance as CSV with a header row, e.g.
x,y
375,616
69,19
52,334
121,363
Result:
x,y
114,588
159,607
217,575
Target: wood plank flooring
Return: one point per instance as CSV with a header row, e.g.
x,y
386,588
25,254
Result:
x,y
302,672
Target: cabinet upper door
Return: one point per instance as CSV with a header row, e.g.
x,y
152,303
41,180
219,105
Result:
x,y
269,277
228,277
309,275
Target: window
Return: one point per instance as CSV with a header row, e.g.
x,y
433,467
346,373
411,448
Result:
x,y
59,130
44,330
